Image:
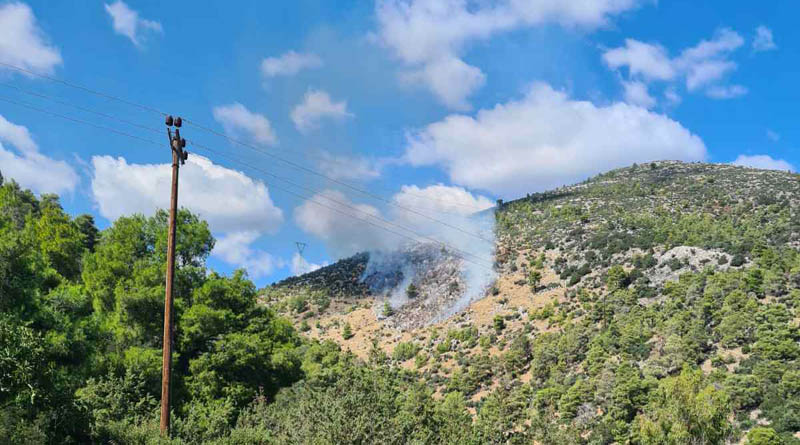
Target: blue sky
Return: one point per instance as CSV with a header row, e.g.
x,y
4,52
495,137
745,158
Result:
x,y
440,107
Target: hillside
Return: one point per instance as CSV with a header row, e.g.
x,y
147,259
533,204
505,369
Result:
x,y
647,272
655,304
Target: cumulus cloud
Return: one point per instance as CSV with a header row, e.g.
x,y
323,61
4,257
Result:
x,y
348,167
545,140
325,216
341,223
236,248
126,22
450,79
228,199
28,166
764,40
239,122
636,94
647,60
289,64
430,36
765,162
234,205
702,66
22,43
435,199
317,105
300,266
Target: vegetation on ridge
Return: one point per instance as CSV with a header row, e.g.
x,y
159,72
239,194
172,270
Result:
x,y
660,307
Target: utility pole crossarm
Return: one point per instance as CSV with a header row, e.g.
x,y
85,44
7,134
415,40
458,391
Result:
x,y
179,156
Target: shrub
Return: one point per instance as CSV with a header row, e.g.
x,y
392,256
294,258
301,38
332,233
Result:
x,y
763,436
404,351
347,332
499,323
387,309
737,260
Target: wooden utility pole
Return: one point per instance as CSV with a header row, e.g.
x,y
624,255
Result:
x,y
179,156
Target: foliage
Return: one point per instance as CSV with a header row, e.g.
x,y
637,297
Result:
x,y
347,331
619,358
81,323
684,409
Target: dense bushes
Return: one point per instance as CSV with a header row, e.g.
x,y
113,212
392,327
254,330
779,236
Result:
x,y
703,359
81,323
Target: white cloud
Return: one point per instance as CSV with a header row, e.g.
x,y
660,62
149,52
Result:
x,y
325,216
765,162
429,36
127,22
317,105
22,43
546,140
228,199
449,78
438,198
763,40
723,43
300,266
240,122
726,92
28,166
642,59
703,66
234,205
289,64
236,248
342,224
348,168
704,73
636,94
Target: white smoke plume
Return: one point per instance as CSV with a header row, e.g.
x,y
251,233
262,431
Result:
x,y
451,263
451,267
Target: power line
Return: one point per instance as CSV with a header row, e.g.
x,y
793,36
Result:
x,y
314,172
83,88
342,183
88,110
127,122
385,221
248,166
460,253
252,147
75,120
78,107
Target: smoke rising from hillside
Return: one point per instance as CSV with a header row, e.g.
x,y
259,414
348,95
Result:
x,y
451,261
448,276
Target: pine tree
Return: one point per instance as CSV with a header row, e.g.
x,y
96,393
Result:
x,y
387,309
347,332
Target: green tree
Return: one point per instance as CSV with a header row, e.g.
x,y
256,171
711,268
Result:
x,y
534,279
387,309
499,323
684,409
617,278
347,331
763,436
86,226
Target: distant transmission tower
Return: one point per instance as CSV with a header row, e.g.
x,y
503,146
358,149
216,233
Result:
x,y
300,248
